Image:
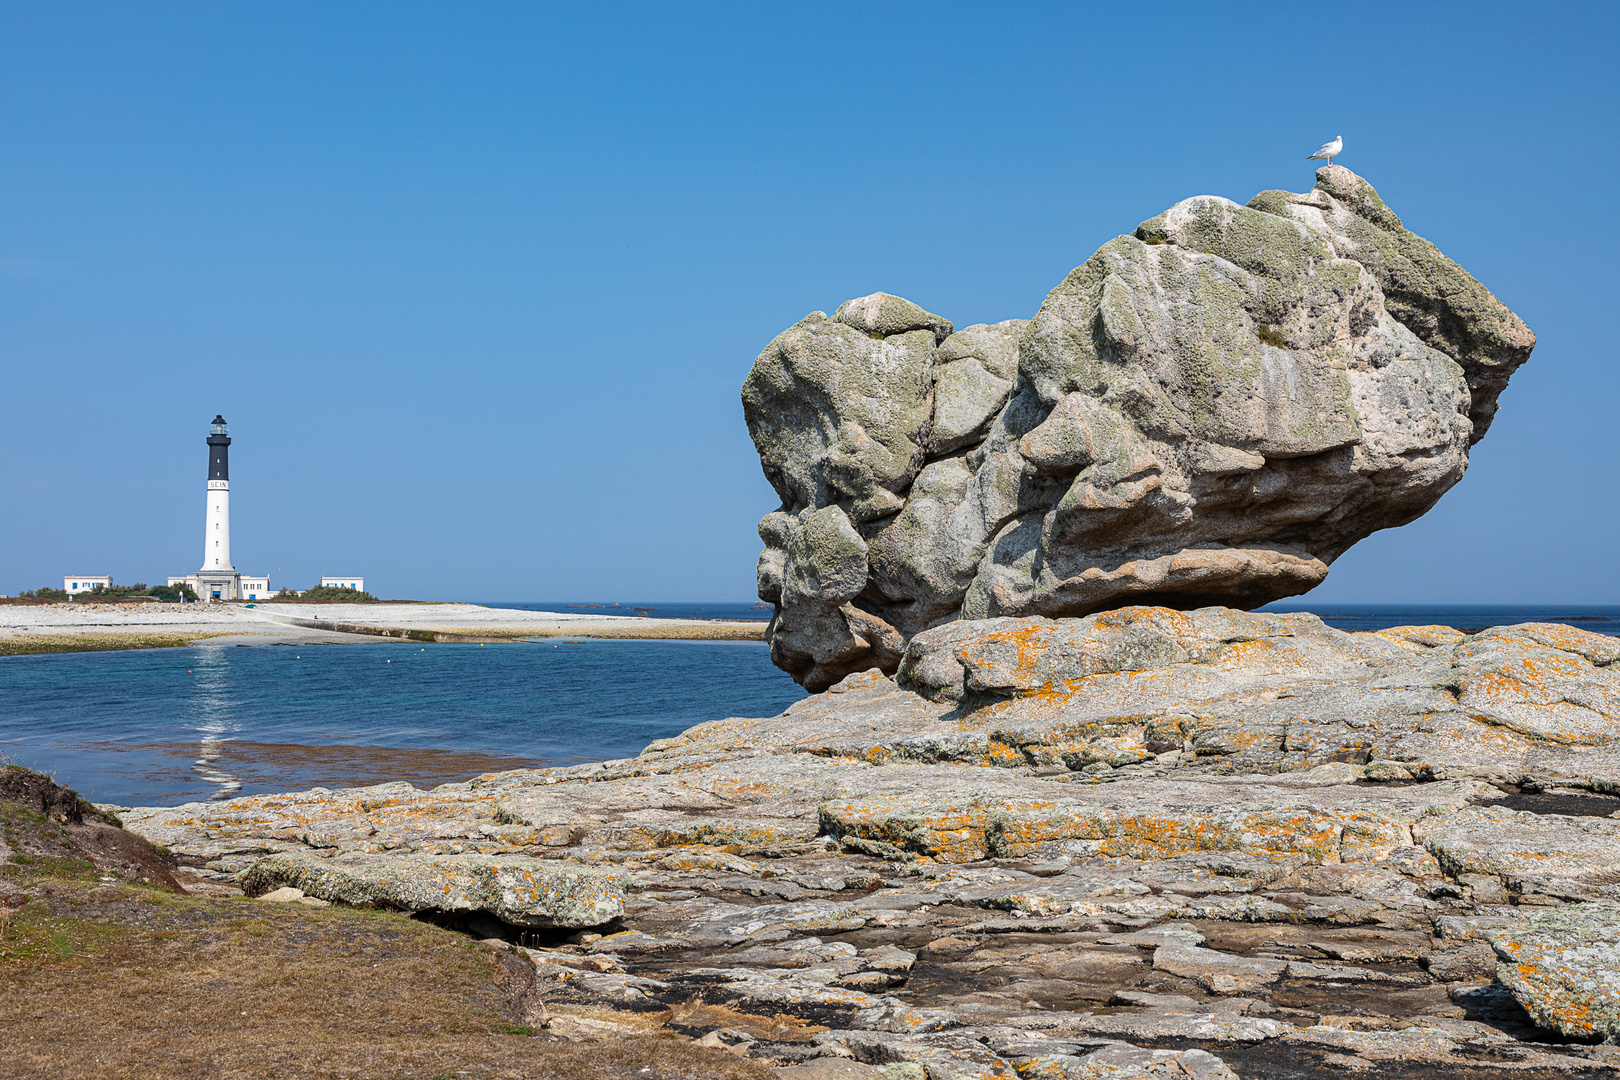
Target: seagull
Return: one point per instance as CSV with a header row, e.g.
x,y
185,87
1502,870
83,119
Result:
x,y
1329,150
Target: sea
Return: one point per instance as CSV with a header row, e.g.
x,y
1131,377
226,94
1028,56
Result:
x,y
159,727
1597,619
662,610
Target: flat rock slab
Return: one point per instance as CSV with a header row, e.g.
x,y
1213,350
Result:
x,y
514,889
1545,853
1564,967
968,814
830,1068
1124,1062
1148,690
1218,972
1469,964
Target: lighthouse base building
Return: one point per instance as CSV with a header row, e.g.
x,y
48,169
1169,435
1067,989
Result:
x,y
225,586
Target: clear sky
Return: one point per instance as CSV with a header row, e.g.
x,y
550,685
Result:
x,y
476,285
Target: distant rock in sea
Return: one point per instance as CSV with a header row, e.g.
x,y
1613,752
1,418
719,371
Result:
x,y
1207,411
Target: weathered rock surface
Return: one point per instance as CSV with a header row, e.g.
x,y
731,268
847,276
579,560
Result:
x,y
1209,410
1054,848
1564,967
1572,858
515,889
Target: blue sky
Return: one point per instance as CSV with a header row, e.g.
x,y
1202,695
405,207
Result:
x,y
477,285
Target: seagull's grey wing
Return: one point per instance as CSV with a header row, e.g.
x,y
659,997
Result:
x,y
1322,153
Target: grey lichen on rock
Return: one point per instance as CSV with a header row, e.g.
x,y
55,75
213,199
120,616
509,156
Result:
x,y
513,888
1209,410
1563,966
977,366
882,315
1432,296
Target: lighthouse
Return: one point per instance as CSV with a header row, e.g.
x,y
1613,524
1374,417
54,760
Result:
x,y
219,579
217,529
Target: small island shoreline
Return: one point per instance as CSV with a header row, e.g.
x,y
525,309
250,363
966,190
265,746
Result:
x,y
81,627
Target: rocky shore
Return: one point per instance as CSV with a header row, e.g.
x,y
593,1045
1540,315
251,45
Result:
x,y
1145,843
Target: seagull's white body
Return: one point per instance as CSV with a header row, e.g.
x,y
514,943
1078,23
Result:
x,y
1329,151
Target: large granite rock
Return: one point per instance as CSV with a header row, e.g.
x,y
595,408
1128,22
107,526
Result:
x,y
1209,410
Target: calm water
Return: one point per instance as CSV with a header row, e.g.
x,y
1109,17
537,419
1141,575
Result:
x,y
662,609
163,726
1598,619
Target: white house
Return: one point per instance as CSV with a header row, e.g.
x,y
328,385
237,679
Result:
x,y
73,584
358,584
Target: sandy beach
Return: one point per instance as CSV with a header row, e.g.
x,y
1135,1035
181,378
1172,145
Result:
x,y
80,626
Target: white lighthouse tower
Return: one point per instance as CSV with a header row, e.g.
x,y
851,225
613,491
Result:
x,y
217,541
219,579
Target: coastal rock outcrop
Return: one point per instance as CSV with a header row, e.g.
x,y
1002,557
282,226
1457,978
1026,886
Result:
x,y
1209,410
1145,842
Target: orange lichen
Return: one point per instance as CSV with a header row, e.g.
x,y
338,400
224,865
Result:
x,y
1015,827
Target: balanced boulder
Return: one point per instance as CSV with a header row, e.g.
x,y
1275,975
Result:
x,y
1209,410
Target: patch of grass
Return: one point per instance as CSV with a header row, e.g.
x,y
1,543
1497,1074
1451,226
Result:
x,y
80,869
15,813
128,981
1271,335
39,936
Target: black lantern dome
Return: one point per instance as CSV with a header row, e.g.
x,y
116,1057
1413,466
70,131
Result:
x,y
219,465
